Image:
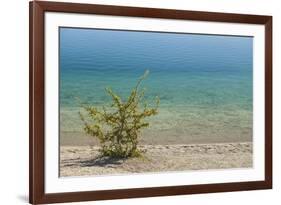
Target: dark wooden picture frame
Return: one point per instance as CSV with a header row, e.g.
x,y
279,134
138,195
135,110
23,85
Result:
x,y
37,193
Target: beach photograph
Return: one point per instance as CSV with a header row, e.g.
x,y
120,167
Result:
x,y
134,102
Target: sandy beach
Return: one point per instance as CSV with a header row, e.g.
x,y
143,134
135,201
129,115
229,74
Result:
x,y
85,160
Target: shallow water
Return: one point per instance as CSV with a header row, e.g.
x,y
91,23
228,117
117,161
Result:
x,y
204,82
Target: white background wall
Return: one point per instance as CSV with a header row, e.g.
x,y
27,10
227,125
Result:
x,y
14,100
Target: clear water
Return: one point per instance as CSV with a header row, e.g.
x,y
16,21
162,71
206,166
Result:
x,y
204,81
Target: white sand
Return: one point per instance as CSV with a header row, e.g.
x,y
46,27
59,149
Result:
x,y
85,160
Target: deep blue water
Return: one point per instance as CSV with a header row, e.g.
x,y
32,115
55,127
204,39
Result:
x,y
204,81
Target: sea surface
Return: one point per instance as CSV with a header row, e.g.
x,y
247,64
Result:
x,y
204,82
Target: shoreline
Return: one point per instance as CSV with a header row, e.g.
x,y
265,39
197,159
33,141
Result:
x,y
85,160
163,138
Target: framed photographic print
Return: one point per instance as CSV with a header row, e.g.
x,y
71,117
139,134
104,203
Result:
x,y
139,102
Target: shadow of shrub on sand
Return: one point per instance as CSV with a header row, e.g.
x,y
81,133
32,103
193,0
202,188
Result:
x,y
102,162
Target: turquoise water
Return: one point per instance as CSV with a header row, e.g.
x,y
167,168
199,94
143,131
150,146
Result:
x,y
204,81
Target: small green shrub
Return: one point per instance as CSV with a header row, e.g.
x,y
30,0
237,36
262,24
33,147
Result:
x,y
118,127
